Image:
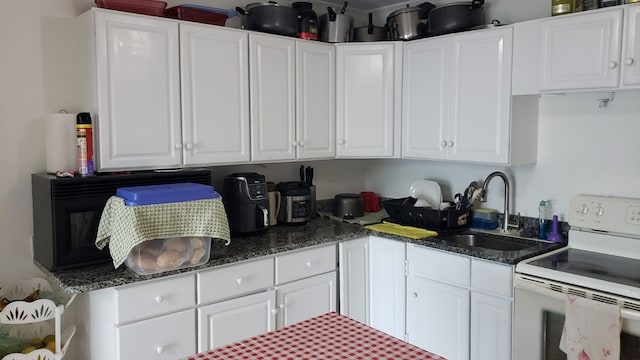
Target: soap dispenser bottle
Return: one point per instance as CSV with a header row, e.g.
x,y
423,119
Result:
x,y
542,220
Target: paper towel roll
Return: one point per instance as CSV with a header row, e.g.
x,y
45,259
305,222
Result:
x,y
60,142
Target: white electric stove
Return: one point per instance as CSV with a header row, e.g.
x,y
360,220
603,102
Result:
x,y
601,262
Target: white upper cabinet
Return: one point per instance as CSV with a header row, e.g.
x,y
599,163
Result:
x,y
581,51
457,97
596,50
168,94
315,100
367,93
272,80
631,48
137,80
215,94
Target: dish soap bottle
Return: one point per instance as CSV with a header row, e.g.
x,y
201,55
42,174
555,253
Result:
x,y
542,220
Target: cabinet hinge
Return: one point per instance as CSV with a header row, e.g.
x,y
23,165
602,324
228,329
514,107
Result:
x,y
406,267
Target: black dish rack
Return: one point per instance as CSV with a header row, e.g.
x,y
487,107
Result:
x,y
403,212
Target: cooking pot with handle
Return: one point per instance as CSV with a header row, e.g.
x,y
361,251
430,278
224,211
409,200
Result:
x,y
370,32
272,18
335,28
454,17
409,23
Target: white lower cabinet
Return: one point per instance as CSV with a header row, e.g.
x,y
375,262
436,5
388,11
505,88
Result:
x,y
304,299
459,307
165,337
372,283
233,320
181,315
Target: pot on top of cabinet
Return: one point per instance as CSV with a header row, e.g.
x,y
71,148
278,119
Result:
x,y
454,17
409,23
271,18
370,32
336,27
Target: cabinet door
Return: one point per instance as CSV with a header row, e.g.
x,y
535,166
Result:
x,y
315,100
233,320
365,99
304,299
438,317
481,96
581,51
354,279
138,79
272,90
167,337
631,55
215,95
387,286
490,327
425,98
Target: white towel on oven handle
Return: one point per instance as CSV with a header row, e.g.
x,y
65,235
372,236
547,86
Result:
x,y
591,330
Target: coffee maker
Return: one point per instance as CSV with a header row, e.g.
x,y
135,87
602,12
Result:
x,y
245,199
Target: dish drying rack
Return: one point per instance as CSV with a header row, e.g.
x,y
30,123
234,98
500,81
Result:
x,y
31,319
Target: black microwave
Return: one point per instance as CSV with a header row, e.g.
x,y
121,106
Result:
x,y
67,211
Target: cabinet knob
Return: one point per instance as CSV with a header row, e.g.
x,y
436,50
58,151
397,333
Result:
x,y
450,143
281,306
178,146
301,143
613,64
341,142
308,264
189,146
274,311
294,143
239,281
628,61
415,294
159,299
443,144
160,349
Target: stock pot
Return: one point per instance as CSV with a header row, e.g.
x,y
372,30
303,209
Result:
x,y
409,23
271,18
455,17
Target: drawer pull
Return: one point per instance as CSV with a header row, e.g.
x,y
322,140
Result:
x,y
160,349
239,281
308,263
159,299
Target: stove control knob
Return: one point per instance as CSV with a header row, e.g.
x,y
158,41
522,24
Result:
x,y
583,209
599,211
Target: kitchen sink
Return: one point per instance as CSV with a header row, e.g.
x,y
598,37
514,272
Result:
x,y
484,241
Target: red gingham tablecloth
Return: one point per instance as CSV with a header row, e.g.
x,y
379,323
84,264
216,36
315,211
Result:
x,y
328,336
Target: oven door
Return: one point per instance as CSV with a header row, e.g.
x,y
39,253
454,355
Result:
x,y
539,319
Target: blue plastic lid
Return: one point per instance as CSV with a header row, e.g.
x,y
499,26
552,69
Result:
x,y
166,193
229,13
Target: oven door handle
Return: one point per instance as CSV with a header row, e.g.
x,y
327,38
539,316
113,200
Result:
x,y
535,286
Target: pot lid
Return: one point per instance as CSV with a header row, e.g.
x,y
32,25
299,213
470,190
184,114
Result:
x,y
254,5
404,10
494,23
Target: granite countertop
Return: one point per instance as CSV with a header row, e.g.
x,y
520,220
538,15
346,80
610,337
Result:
x,y
276,240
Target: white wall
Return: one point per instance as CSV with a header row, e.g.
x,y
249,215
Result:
x,y
581,149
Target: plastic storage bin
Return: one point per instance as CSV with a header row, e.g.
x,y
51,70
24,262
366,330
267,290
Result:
x,y
166,193
145,7
199,14
159,255
425,217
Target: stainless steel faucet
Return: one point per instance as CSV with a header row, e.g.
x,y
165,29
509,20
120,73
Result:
x,y
483,195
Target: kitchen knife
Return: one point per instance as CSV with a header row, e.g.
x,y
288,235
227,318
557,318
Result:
x,y
309,173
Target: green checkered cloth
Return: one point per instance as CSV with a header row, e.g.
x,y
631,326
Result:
x,y
123,227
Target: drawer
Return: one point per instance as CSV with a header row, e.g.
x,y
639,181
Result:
x,y
234,280
492,277
305,263
155,297
168,337
439,265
